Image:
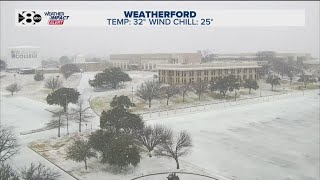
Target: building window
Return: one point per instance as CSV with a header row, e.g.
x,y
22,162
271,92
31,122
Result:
x,y
244,77
239,77
220,71
233,71
211,78
206,73
244,70
198,73
191,73
238,71
250,70
226,71
250,76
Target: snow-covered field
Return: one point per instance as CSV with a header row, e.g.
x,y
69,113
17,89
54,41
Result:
x,y
270,140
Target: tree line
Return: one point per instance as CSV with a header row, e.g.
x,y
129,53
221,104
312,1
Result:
x,y
123,136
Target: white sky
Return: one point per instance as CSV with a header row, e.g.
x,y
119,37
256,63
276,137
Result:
x,y
102,41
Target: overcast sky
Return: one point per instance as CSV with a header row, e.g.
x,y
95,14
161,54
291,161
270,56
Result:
x,y
102,41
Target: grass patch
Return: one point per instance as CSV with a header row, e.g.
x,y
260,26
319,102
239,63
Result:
x,y
99,104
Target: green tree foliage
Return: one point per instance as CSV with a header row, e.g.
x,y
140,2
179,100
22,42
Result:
x,y
123,152
13,88
175,147
64,60
228,83
111,77
63,97
68,69
121,101
306,79
173,176
80,151
152,136
200,88
149,91
250,84
115,149
38,76
169,91
273,80
120,120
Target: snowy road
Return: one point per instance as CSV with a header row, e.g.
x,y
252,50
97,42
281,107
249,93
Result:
x,y
273,140
25,114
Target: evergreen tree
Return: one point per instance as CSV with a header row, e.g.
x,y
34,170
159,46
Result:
x,y
273,80
120,120
122,152
115,149
80,151
121,101
111,77
228,83
250,84
38,76
306,79
63,97
68,69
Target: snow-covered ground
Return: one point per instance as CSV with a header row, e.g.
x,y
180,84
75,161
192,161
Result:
x,y
270,140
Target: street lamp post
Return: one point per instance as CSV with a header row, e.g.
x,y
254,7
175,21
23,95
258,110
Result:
x,y
15,78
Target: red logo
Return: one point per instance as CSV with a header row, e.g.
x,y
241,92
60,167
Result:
x,y
56,22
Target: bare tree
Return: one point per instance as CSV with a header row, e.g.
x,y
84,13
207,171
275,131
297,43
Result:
x,y
39,172
152,136
200,88
81,113
175,148
53,83
149,91
169,91
13,88
184,90
57,120
8,143
7,173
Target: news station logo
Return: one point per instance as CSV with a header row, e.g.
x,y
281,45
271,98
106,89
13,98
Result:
x,y
29,17
56,18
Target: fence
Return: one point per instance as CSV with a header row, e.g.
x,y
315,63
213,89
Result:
x,y
215,105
